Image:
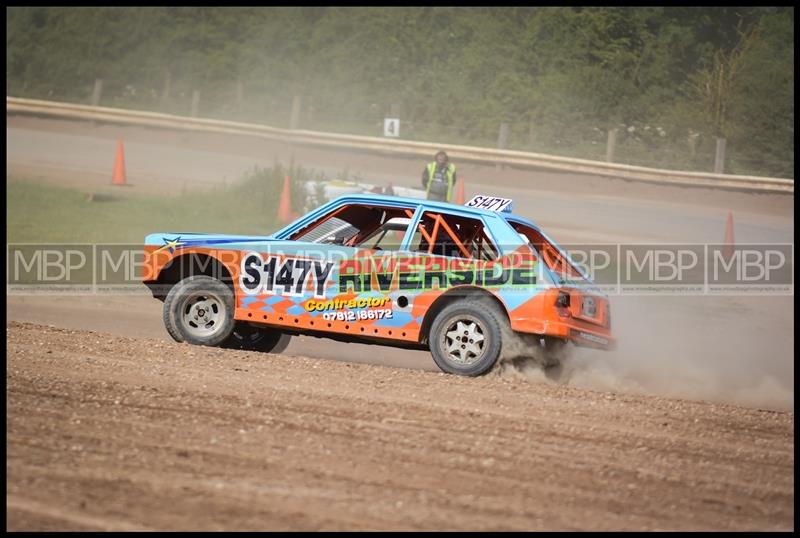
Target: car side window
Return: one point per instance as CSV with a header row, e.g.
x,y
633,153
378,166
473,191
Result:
x,y
389,236
557,263
454,236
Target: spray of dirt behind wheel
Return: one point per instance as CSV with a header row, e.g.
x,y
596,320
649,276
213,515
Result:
x,y
533,357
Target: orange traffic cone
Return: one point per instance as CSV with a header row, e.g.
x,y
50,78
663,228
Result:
x,y
460,192
727,250
118,177
285,205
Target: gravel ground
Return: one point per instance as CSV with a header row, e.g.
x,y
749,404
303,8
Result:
x,y
107,432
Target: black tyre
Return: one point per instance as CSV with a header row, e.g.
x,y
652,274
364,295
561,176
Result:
x,y
466,337
169,320
250,338
199,310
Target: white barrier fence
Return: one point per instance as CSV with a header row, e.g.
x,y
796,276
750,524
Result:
x,y
16,105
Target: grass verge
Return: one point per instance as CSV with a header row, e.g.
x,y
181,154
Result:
x,y
44,213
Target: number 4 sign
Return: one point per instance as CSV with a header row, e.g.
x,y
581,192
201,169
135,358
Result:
x,y
391,127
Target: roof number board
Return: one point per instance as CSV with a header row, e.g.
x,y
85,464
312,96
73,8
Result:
x,y
492,203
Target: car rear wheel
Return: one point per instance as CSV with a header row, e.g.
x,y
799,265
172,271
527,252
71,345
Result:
x,y
199,310
465,338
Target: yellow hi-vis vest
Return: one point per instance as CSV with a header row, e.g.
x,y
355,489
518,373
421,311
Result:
x,y
449,171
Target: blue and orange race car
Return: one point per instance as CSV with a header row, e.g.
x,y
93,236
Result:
x,y
469,283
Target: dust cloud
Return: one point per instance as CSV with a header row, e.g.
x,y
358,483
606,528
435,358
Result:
x,y
736,350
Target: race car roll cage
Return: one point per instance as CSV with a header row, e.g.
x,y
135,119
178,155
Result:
x,y
552,254
432,236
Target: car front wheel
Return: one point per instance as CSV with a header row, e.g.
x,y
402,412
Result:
x,y
199,310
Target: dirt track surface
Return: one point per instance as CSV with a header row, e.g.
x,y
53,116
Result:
x,y
114,433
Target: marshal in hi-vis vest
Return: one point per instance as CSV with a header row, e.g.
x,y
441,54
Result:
x,y
449,173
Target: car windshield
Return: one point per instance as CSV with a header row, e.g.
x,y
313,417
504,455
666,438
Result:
x,y
359,225
332,231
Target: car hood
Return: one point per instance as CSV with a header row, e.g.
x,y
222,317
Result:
x,y
194,239
177,241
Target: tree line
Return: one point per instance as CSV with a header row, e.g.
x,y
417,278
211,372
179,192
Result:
x,y
670,79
